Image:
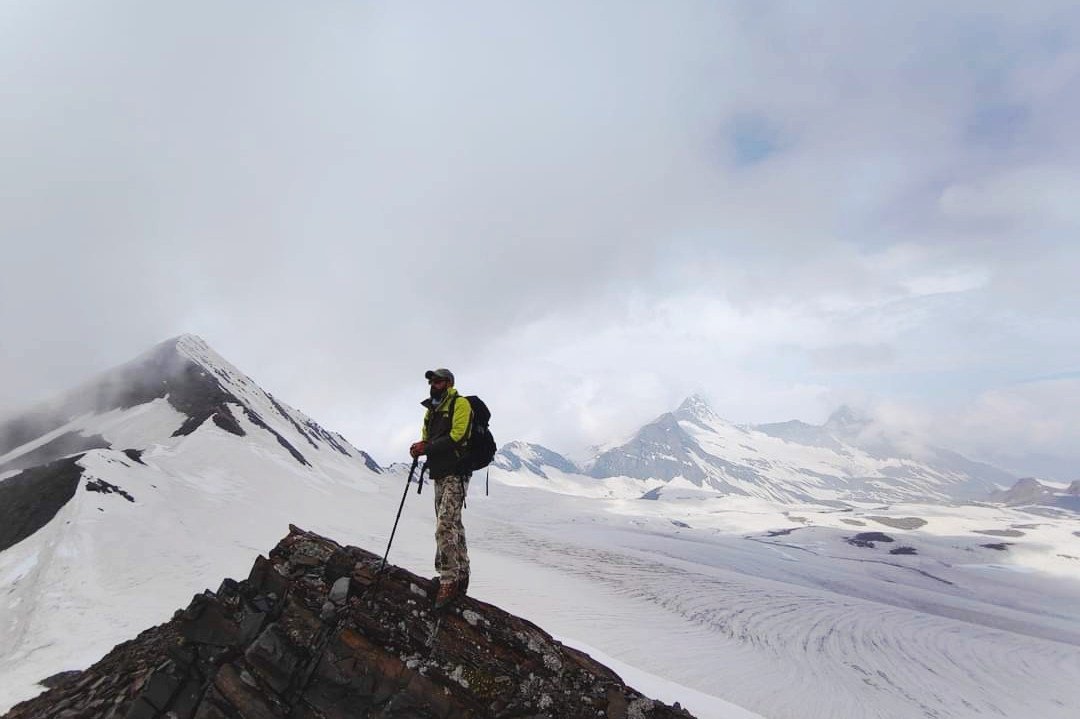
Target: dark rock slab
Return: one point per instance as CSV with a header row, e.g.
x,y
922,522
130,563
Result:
x,y
103,487
867,539
60,679
29,500
385,653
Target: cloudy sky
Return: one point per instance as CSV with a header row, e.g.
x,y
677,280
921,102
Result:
x,y
586,210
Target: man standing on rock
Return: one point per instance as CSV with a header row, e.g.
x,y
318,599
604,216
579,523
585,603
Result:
x,y
447,424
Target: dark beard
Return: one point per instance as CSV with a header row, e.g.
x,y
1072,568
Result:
x,y
437,396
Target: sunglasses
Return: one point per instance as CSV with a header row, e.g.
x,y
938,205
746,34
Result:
x,y
438,380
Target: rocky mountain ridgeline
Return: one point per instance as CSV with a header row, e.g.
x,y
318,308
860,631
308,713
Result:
x,y
316,632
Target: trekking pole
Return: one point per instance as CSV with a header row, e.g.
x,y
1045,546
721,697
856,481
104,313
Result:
x,y
400,507
420,481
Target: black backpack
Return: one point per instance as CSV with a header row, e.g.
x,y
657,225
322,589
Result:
x,y
480,449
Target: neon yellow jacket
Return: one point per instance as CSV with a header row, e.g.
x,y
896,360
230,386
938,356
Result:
x,y
445,434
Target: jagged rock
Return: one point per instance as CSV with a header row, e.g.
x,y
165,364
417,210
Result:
x,y
60,679
264,649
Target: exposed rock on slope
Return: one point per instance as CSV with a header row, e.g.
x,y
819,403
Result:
x,y
313,632
32,497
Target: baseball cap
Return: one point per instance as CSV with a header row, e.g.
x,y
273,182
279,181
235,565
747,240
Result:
x,y
441,373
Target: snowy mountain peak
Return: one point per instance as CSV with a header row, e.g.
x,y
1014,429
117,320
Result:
x,y
696,408
847,421
532,457
186,385
196,349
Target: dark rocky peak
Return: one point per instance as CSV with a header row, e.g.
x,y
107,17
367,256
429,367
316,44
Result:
x,y
187,373
159,372
1027,490
315,632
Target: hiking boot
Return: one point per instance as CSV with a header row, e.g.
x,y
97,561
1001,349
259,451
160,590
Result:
x,y
449,591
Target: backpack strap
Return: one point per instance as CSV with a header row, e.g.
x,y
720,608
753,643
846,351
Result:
x,y
469,428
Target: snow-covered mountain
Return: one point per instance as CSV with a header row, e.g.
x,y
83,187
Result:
x,y
791,461
155,401
150,480
533,458
181,378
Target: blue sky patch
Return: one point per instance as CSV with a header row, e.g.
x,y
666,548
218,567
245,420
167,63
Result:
x,y
753,140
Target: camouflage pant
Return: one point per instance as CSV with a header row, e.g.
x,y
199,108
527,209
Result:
x,y
451,554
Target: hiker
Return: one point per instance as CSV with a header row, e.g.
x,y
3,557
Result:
x,y
446,429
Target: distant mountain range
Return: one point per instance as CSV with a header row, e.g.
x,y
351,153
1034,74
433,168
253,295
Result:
x,y
790,461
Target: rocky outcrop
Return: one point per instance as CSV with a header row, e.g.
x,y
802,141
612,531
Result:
x,y
317,632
